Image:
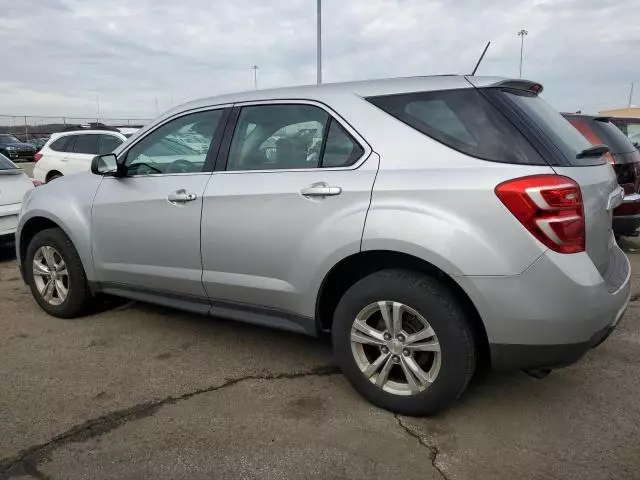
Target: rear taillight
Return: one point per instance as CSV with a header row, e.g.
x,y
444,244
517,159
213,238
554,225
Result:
x,y
37,157
550,207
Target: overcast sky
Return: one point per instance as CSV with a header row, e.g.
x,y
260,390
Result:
x,y
57,55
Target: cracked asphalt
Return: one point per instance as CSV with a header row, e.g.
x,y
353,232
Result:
x,y
139,391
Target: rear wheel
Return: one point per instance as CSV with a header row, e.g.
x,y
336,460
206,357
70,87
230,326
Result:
x,y
54,273
402,340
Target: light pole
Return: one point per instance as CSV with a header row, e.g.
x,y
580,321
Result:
x,y
319,42
255,76
522,34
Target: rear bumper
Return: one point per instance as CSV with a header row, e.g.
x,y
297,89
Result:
x,y
554,312
518,357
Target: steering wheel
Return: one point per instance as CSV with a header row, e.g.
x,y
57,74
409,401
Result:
x,y
181,166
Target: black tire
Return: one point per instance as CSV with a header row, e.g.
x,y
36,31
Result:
x,y
79,297
435,302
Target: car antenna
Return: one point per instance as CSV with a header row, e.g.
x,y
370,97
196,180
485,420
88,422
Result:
x,y
480,59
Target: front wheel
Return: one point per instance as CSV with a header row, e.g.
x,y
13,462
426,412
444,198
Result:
x,y
403,342
53,270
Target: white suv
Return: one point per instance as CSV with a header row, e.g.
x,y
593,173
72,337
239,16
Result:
x,y
71,152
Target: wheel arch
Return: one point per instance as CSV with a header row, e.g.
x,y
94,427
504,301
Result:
x,y
30,228
40,220
357,266
51,174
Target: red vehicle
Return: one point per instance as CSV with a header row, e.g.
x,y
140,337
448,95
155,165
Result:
x,y
625,159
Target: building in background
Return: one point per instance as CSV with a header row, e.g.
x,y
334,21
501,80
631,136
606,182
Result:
x,y
626,119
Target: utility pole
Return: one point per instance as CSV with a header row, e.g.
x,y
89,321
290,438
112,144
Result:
x,y
319,43
522,34
255,76
630,94
97,108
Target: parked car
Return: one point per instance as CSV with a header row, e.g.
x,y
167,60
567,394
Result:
x,y
635,139
38,143
128,131
14,183
15,149
71,152
446,222
625,159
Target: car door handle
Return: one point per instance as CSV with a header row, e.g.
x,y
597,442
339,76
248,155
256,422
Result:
x,y
320,190
180,196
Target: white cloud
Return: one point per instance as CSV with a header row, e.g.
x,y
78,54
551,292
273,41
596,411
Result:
x,y
62,53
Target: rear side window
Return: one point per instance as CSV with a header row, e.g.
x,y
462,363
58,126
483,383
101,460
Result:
x,y
340,149
86,144
60,144
463,120
108,143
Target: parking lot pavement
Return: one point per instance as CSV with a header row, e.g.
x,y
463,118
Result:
x,y
139,391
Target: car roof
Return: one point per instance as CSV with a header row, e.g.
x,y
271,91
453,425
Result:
x,y
84,132
365,88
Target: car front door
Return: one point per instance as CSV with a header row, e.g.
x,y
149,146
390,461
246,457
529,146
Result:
x,y
288,199
146,225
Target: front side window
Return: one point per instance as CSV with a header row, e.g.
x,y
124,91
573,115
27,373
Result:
x,y
87,144
179,146
289,137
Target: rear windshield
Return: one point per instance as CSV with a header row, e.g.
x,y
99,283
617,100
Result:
x,y
6,138
464,120
602,131
554,126
6,164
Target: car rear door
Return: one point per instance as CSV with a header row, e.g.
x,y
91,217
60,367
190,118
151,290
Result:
x,y
288,200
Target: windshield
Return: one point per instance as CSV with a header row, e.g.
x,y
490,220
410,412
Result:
x,y
5,138
6,164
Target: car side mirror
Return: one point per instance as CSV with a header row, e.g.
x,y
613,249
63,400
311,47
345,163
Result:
x,y
106,164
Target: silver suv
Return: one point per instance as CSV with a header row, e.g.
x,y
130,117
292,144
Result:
x,y
429,225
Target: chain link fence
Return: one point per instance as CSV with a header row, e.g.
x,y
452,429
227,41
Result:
x,y
27,127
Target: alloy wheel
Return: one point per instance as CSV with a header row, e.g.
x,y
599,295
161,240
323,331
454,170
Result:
x,y
50,275
395,348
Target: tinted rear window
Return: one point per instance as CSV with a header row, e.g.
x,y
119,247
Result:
x,y
5,163
557,130
463,120
602,132
60,144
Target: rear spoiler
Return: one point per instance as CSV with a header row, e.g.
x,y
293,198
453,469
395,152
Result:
x,y
515,84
